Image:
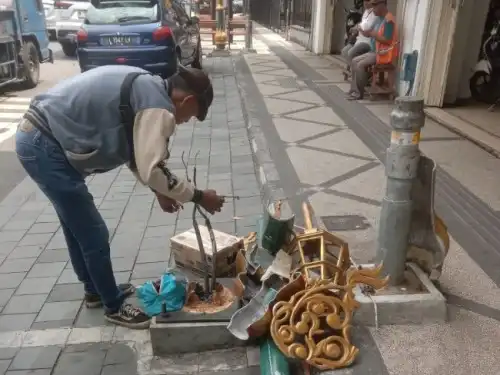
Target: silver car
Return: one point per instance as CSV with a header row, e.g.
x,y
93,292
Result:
x,y
70,21
50,18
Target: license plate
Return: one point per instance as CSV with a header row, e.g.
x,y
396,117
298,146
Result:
x,y
121,40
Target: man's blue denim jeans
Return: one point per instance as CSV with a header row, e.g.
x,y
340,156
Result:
x,y
86,234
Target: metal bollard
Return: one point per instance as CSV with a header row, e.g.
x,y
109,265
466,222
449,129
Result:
x,y
249,29
402,160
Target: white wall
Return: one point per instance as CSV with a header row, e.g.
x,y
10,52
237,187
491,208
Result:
x,y
320,8
412,34
470,42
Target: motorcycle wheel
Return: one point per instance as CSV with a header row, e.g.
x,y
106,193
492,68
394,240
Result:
x,y
481,88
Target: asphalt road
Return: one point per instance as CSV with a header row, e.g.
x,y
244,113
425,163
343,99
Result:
x,y
11,171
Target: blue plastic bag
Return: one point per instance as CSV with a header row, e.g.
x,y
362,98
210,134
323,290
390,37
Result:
x,y
172,294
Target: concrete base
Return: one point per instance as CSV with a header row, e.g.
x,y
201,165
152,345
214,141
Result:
x,y
182,332
219,53
428,306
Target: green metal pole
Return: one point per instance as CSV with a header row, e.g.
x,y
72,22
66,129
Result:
x,y
272,361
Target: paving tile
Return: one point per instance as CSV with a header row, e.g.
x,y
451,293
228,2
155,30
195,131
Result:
x,y
25,304
11,280
5,295
91,318
121,369
7,247
68,276
66,292
39,228
80,363
176,364
17,265
153,256
11,235
59,311
53,255
119,354
57,242
89,347
48,218
122,277
19,224
36,239
53,324
244,371
151,270
36,285
30,372
46,269
26,252
159,231
220,360
123,264
17,322
154,243
4,365
8,353
161,219
35,358
253,356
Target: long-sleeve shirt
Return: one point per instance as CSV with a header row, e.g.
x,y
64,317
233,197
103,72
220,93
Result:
x,y
152,129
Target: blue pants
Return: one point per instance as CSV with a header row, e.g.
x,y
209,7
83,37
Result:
x,y
85,231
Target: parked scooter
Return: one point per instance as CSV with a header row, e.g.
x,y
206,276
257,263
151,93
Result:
x,y
485,82
353,17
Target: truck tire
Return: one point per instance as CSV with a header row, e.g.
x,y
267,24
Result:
x,y
31,65
69,49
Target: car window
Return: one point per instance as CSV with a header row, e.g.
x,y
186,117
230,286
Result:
x,y
123,12
39,5
180,13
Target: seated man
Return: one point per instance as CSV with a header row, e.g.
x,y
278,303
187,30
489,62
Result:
x,y
362,44
383,42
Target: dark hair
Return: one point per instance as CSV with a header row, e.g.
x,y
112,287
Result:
x,y
193,82
179,83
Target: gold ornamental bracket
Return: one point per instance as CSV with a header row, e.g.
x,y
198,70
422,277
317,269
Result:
x,y
322,255
313,324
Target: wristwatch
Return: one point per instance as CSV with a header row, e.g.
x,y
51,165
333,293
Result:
x,y
197,196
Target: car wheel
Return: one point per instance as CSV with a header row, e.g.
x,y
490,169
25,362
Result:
x,y
69,49
31,65
198,56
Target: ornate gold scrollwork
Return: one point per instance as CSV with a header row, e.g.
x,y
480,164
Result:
x,y
313,324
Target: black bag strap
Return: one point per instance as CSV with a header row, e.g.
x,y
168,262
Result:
x,y
127,113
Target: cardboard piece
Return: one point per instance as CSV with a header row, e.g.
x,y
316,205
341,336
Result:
x,y
187,254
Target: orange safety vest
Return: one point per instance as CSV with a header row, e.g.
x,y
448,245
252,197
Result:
x,y
387,54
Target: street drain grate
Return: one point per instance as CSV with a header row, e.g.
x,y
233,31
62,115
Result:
x,y
345,222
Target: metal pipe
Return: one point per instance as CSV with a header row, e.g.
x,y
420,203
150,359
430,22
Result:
x,y
248,28
402,158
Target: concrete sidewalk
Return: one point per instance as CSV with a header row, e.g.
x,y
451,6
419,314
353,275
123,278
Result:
x,y
317,146
310,144
44,329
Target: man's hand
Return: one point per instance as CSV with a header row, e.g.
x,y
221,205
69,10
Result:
x,y
168,204
211,201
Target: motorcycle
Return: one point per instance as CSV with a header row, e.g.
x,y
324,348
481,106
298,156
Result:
x,y
485,82
353,17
